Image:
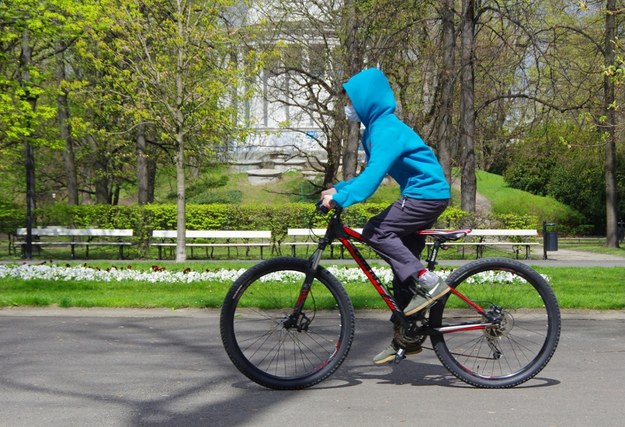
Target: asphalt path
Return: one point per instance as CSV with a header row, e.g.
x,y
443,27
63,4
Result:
x,y
99,367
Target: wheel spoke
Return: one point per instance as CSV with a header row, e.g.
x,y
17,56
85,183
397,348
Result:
x,y
525,334
284,354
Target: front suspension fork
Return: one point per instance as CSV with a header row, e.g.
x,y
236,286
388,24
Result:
x,y
297,318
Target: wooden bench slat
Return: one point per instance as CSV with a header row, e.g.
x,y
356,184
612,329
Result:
x,y
227,235
485,232
481,234
84,232
72,233
214,234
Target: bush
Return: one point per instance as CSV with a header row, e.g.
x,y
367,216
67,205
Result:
x,y
454,217
532,159
208,197
566,162
220,216
11,217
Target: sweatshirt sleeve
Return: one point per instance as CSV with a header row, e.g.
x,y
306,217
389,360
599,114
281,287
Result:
x,y
383,155
340,185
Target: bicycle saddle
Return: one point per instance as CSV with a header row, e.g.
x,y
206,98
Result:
x,y
446,234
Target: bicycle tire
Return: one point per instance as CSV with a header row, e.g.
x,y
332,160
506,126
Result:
x,y
520,347
253,332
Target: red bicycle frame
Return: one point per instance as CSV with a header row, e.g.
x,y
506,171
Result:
x,y
338,230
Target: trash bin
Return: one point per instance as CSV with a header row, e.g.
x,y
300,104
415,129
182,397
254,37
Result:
x,y
620,230
550,238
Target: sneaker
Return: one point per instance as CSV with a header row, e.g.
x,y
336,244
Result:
x,y
389,353
430,288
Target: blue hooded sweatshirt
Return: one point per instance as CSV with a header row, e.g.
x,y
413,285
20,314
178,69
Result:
x,y
391,146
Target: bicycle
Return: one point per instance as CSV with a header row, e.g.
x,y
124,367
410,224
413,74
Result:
x,y
288,323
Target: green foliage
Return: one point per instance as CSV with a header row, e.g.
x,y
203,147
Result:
x,y
516,202
56,214
519,221
203,190
11,217
532,159
208,197
454,217
300,190
219,216
578,181
511,209
208,181
566,162
178,78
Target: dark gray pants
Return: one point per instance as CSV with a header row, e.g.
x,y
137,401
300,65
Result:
x,y
392,234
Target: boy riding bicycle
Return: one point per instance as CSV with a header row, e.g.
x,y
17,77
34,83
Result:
x,y
393,148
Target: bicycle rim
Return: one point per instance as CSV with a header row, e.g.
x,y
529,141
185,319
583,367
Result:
x,y
272,354
516,349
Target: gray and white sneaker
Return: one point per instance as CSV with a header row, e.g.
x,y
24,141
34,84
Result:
x,y
430,287
410,346
390,352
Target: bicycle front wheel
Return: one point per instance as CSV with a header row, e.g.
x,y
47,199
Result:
x,y
264,342
522,342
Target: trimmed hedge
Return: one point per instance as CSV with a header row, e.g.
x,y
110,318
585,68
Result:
x,y
145,218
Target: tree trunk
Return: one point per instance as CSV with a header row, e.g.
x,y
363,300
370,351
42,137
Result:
x,y
332,165
447,79
181,223
354,59
115,192
350,151
99,173
69,159
29,157
467,108
609,127
30,197
181,215
151,178
142,166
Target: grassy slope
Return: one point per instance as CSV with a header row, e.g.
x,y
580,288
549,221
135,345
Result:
x,y
506,200
293,188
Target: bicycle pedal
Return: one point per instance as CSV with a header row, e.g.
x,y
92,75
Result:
x,y
400,355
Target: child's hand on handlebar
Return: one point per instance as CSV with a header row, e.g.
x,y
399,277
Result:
x,y
326,198
329,191
328,202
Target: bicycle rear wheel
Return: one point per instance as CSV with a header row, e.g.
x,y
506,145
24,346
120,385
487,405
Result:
x,y
261,341
524,340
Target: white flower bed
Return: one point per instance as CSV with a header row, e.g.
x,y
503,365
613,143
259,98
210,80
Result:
x,y
59,273
53,272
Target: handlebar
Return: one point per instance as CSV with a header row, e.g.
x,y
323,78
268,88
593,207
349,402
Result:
x,y
320,208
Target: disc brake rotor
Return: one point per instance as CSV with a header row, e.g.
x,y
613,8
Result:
x,y
503,328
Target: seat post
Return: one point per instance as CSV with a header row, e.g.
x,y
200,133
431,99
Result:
x,y
431,259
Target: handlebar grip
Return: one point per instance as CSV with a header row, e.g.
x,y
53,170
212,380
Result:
x,y
321,208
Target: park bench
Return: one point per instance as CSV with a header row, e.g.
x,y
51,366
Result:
x,y
211,239
310,237
480,238
516,239
73,237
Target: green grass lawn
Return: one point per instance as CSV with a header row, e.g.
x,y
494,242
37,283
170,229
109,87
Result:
x,y
109,294
588,288
580,288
